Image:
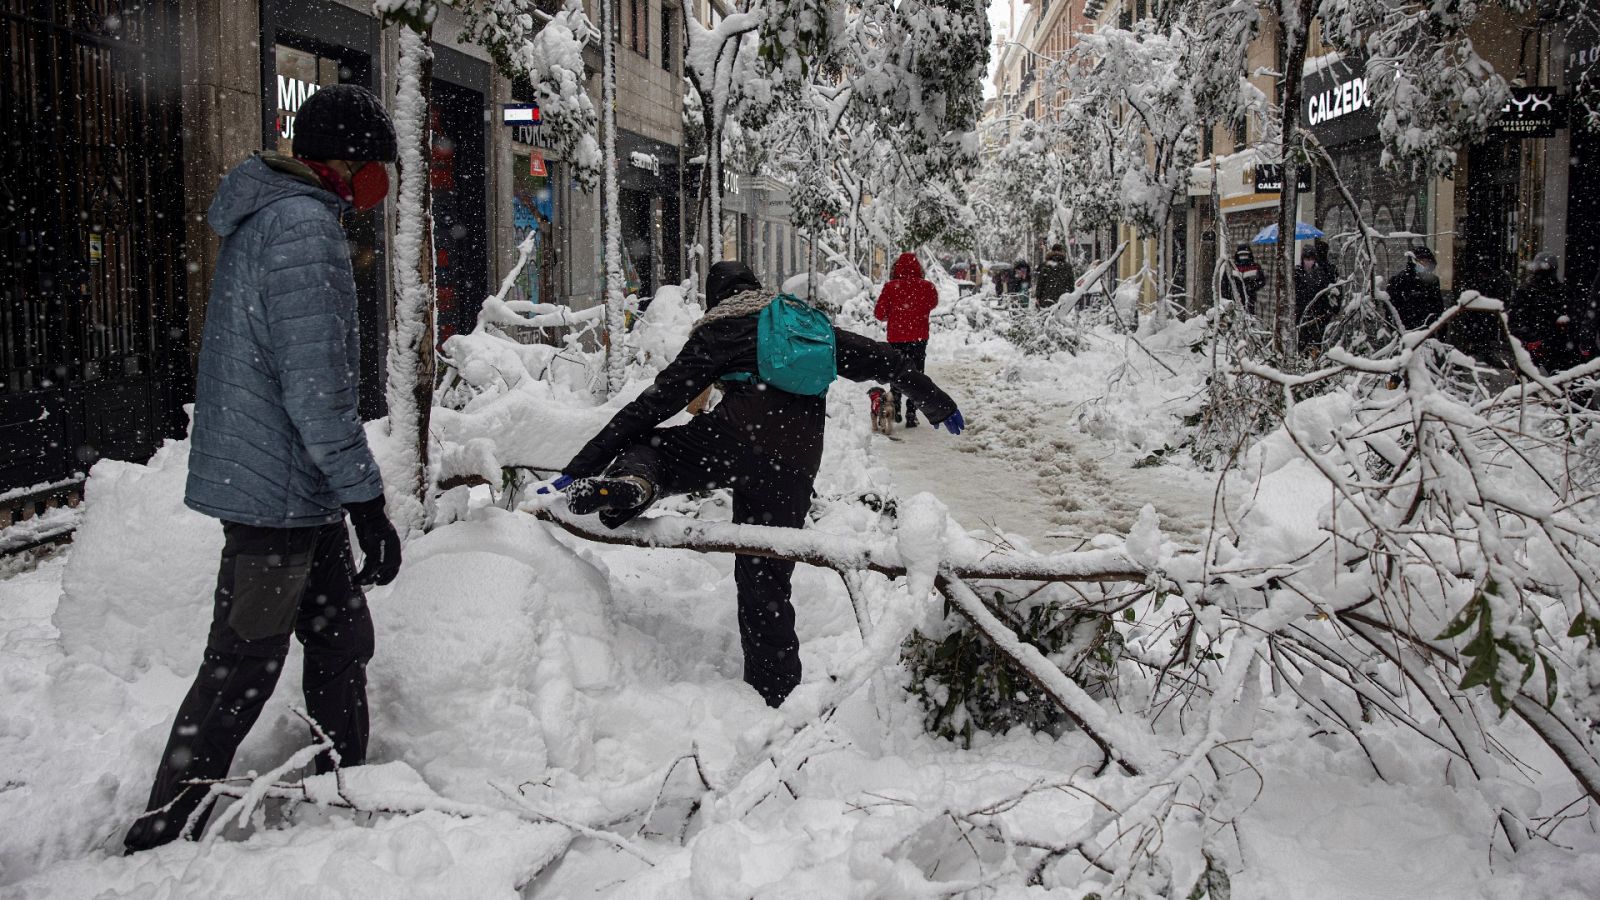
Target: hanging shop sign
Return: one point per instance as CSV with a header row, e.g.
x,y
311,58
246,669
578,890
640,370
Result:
x,y
1531,112
536,166
645,161
1336,103
1583,49
533,136
1269,178
520,114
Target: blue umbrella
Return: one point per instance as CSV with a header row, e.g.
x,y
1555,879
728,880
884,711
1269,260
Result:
x,y
1302,232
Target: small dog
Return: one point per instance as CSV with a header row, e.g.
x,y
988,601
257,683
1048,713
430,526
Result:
x,y
882,410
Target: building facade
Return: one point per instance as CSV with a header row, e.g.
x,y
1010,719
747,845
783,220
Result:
x,y
127,113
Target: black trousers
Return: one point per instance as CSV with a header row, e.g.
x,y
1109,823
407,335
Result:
x,y
915,353
273,581
769,488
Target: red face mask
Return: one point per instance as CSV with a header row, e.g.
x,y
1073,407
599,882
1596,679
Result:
x,y
369,186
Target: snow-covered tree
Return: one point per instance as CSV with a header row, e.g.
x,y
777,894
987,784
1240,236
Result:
x,y
853,106
524,41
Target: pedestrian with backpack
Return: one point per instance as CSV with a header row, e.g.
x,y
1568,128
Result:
x,y
774,357
904,304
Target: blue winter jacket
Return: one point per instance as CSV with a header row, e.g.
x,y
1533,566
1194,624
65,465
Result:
x,y
276,439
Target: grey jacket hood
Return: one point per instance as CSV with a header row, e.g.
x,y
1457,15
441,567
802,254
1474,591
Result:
x,y
260,181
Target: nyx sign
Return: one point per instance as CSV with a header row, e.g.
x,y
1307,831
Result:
x,y
1531,112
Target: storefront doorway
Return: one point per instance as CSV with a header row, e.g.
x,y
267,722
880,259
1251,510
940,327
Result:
x,y
457,177
1583,213
308,44
1486,257
93,353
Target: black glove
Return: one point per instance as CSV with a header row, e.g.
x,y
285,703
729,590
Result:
x,y
380,543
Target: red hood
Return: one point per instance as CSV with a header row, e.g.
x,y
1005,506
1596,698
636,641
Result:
x,y
907,266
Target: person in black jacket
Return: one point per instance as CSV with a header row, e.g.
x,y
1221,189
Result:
x,y
1541,318
1315,297
1243,283
1055,277
764,443
1415,290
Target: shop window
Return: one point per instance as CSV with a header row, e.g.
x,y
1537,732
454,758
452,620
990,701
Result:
x,y
639,27
669,38
300,74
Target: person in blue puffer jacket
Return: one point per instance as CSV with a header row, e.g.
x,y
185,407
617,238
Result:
x,y
279,455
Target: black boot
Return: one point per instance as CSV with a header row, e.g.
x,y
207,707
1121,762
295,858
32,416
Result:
x,y
617,499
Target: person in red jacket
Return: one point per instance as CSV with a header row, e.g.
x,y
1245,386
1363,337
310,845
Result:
x,y
905,303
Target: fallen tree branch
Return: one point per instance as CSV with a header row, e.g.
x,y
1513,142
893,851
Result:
x,y
841,553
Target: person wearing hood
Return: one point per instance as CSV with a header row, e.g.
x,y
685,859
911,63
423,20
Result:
x,y
904,305
1055,277
1021,278
1243,283
1000,276
278,454
1556,336
1315,297
1415,290
762,442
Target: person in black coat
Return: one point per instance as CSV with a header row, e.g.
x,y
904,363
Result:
x,y
1055,277
1243,283
1556,336
1021,278
1315,297
764,443
1415,290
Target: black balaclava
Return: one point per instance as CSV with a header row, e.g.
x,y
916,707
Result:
x,y
727,278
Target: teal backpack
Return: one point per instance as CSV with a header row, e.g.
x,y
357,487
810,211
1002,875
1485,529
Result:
x,y
794,348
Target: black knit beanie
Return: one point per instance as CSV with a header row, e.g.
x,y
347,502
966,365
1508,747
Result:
x,y
344,121
727,278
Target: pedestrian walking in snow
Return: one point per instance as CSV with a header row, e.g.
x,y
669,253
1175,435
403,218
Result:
x,y
1315,298
1055,277
279,455
1243,282
1021,279
1555,334
763,440
904,304
1414,291
1000,276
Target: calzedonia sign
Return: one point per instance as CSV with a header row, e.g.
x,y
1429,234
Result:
x,y
1336,103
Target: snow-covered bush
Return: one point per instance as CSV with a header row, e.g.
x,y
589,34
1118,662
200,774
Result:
x,y
965,685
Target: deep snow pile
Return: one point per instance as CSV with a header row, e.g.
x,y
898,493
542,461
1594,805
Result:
x,y
521,669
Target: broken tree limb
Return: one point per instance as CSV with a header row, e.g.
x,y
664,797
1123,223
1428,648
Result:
x,y
848,556
842,553
1114,740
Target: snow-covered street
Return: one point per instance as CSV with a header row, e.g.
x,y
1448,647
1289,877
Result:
x,y
1023,467
526,677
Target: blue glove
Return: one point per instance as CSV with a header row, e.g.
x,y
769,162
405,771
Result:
x,y
954,424
560,484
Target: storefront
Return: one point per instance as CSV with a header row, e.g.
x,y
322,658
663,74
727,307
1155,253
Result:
x,y
305,45
457,177
1336,106
1582,94
536,180
93,345
649,206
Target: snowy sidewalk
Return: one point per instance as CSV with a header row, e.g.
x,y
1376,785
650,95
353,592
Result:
x,y
1023,467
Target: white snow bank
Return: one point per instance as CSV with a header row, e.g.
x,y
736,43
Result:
x,y
138,585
